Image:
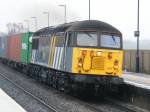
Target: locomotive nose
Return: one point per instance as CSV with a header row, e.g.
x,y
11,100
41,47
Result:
x,y
96,61
90,59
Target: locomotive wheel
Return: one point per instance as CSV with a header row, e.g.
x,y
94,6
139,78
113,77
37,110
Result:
x,y
54,80
61,83
41,76
29,70
36,75
24,70
67,87
47,78
50,78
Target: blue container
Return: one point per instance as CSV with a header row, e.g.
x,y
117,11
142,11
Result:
x,y
3,46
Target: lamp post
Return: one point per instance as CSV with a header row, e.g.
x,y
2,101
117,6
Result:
x,y
65,16
36,24
89,9
47,16
137,34
27,21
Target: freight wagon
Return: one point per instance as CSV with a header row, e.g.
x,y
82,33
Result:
x,y
3,46
17,49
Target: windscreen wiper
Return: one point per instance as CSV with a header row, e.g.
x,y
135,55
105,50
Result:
x,y
89,35
114,39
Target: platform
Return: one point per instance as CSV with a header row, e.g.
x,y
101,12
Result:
x,y
137,79
7,104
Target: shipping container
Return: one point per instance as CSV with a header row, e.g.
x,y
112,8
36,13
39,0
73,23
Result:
x,y
14,47
3,45
26,47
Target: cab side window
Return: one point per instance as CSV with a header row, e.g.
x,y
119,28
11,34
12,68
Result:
x,y
35,43
60,39
70,40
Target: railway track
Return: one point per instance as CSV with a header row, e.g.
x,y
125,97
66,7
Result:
x,y
30,94
124,106
42,102
117,105
96,107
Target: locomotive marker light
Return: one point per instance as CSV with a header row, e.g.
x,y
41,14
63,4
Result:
x,y
99,53
137,34
80,64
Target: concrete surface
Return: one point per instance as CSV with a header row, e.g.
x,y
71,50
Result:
x,y
7,104
137,79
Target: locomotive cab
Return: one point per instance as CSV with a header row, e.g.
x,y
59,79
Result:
x,y
95,53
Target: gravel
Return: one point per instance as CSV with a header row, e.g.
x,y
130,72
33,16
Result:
x,y
27,102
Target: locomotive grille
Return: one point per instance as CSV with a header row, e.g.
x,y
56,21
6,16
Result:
x,y
98,63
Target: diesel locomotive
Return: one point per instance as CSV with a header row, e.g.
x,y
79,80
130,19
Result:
x,y
82,54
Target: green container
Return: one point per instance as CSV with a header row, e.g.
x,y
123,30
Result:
x,y
26,47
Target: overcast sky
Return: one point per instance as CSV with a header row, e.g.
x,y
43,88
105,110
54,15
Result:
x,y
120,13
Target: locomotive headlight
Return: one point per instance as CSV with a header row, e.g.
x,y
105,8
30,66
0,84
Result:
x,y
98,53
116,66
79,64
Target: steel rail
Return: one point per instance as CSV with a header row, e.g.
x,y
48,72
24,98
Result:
x,y
126,107
30,94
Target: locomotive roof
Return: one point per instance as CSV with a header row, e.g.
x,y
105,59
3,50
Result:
x,y
93,25
90,25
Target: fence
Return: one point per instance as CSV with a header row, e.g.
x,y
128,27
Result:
x,y
129,62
